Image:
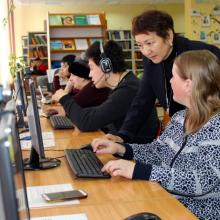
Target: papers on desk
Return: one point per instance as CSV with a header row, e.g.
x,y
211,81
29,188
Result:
x,y
48,140
35,199
63,217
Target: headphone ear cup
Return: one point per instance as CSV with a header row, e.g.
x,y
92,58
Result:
x,y
106,65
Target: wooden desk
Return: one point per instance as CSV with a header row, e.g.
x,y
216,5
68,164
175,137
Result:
x,y
108,199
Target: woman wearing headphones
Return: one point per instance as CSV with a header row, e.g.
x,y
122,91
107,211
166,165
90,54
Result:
x,y
108,70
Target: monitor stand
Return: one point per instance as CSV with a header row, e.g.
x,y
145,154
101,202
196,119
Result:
x,y
37,163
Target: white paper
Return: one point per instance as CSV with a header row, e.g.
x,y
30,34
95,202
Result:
x,y
80,216
81,44
93,19
45,135
26,145
48,140
35,199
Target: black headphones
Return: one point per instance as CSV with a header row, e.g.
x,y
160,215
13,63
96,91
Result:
x,y
105,63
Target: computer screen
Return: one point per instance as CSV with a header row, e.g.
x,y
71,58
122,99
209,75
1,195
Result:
x,y
37,159
20,99
20,94
13,195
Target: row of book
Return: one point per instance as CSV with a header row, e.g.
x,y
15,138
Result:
x,y
38,52
74,20
38,39
119,35
72,44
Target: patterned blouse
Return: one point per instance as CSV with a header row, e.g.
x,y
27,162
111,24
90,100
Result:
x,y
187,166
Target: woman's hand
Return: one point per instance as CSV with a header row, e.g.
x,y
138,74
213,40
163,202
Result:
x,y
114,138
105,146
123,168
58,95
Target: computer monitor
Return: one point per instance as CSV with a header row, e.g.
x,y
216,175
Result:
x,y
20,99
37,159
13,195
20,94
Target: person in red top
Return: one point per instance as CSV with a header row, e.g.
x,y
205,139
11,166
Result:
x,y
39,68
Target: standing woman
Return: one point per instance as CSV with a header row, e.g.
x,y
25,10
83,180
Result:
x,y
185,159
155,36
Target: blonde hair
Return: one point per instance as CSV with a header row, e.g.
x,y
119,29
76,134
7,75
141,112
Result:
x,y
203,68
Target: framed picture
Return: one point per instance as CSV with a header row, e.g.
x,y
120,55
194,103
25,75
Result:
x,y
202,36
206,21
216,38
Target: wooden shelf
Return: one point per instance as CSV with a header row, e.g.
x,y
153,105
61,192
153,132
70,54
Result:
x,y
80,36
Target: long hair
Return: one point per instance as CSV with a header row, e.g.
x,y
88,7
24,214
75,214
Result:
x,y
203,68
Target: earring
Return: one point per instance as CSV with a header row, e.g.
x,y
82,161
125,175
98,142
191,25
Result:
x,y
171,44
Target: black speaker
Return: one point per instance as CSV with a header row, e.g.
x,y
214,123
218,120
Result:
x,y
105,63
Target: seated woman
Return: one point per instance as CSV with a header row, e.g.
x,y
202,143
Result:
x,y
62,75
185,158
88,95
108,73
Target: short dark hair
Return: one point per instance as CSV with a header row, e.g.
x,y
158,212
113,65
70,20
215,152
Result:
x,y
112,50
69,59
153,21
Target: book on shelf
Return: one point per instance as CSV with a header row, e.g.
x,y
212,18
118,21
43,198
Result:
x,y
38,39
81,44
68,45
93,19
127,34
67,20
80,20
56,45
116,35
33,40
55,20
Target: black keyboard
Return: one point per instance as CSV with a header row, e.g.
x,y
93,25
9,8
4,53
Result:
x,y
61,122
85,163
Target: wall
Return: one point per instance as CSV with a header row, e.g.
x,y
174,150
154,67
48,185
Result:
x,y
194,25
31,18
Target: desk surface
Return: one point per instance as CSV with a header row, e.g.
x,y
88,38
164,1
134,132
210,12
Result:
x,y
108,199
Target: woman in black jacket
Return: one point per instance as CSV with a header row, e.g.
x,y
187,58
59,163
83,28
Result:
x,y
108,70
154,34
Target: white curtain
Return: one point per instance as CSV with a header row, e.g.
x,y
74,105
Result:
x,y
6,41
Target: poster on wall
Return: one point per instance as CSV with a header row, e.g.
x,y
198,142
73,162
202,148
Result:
x,y
206,21
216,38
202,36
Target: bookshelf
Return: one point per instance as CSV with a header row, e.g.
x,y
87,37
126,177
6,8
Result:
x,y
24,43
73,34
132,54
37,46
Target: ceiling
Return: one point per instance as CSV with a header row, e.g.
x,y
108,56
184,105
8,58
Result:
x,y
109,2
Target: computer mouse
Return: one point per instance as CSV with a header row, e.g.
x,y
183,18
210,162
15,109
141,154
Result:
x,y
143,216
86,147
51,112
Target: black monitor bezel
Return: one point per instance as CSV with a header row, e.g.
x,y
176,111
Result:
x,y
8,185
37,159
